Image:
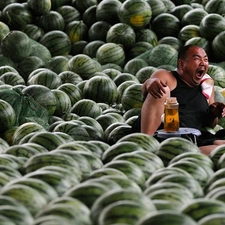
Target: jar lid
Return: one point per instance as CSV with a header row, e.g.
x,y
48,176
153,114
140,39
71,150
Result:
x,y
171,100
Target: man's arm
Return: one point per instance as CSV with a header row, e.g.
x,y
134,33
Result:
x,y
158,82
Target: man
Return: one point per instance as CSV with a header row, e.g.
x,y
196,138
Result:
x,y
196,109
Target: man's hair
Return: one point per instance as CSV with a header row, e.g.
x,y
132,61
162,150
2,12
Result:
x,y
183,51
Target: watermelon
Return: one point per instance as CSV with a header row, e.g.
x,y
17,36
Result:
x,y
136,13
69,13
21,48
212,219
39,8
42,95
208,23
157,7
50,38
124,211
166,24
171,147
86,107
8,116
214,6
51,20
16,15
189,31
194,16
108,89
98,31
89,15
199,208
163,54
76,30
46,78
26,196
107,11
180,10
111,53
132,97
121,33
166,217
83,65
33,31
91,48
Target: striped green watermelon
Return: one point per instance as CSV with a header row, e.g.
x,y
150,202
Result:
x,y
167,217
33,31
144,73
180,10
63,103
51,21
211,25
107,11
218,46
27,196
136,13
74,129
89,15
72,90
12,78
42,95
157,7
91,48
199,208
189,31
46,78
194,16
69,13
21,48
163,54
107,86
134,65
39,7
138,48
57,64
57,42
111,53
214,6
218,75
121,33
4,30
7,117
212,219
171,147
76,30
16,15
64,210
124,211
98,31
130,169
86,107
69,77
24,130
166,24
132,97
84,65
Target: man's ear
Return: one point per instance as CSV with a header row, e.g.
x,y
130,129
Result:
x,y
180,64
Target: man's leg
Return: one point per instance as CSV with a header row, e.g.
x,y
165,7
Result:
x,y
151,113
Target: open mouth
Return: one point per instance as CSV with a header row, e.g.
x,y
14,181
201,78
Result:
x,y
199,73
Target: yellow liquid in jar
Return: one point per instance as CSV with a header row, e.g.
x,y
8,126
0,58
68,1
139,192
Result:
x,y
171,120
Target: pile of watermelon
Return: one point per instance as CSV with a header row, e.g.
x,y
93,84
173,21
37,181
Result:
x,y
71,73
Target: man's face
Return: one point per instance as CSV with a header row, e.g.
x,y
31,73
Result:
x,y
194,67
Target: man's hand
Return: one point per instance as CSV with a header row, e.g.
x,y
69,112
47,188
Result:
x,y
156,88
217,109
